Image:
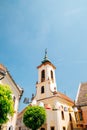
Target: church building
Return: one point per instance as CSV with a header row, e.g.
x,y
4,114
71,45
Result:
x,y
59,107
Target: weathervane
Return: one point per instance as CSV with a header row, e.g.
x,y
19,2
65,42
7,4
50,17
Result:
x,y
45,58
46,51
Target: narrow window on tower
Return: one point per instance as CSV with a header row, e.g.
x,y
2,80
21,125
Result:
x,y
62,115
42,89
42,75
51,74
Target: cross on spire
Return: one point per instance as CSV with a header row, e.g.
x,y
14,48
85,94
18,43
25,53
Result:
x,y
45,58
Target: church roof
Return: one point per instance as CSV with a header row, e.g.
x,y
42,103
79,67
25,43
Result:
x,y
45,63
81,99
61,96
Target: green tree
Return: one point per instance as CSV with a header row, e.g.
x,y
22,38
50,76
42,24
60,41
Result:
x,y
6,104
34,117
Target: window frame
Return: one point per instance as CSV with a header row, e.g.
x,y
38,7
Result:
x,y
64,128
51,74
52,128
43,75
62,115
42,90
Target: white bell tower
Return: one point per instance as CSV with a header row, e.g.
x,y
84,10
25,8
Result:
x,y
46,85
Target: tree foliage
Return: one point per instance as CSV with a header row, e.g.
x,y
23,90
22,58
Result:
x,y
34,117
6,103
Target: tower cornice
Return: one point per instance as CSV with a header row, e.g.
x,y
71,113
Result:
x,y
46,63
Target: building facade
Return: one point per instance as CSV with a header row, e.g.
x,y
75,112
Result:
x,y
81,104
6,78
59,107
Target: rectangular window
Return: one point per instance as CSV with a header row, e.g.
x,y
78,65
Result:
x,y
62,115
76,116
42,129
64,128
42,89
19,128
42,75
52,128
80,116
70,117
71,125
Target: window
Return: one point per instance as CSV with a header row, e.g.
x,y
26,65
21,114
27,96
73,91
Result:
x,y
70,117
71,125
62,115
42,89
51,74
10,128
80,116
76,116
42,75
64,128
42,129
19,128
52,128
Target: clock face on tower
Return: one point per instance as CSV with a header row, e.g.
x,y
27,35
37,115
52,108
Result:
x,y
52,88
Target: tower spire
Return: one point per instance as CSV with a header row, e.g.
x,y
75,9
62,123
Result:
x,y
45,57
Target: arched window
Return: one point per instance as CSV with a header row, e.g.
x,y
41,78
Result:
x,y
42,89
70,117
42,75
10,128
62,115
51,74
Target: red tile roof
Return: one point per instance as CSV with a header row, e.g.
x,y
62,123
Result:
x,y
82,95
63,96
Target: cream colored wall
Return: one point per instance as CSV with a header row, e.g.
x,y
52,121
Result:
x,y
12,121
48,84
47,69
47,90
54,117
20,123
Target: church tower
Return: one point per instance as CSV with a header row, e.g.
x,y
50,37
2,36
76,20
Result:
x,y
46,85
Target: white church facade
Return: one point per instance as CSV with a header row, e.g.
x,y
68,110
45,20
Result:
x,y
59,107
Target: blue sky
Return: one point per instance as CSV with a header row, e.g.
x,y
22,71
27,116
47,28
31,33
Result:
x,y
27,27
